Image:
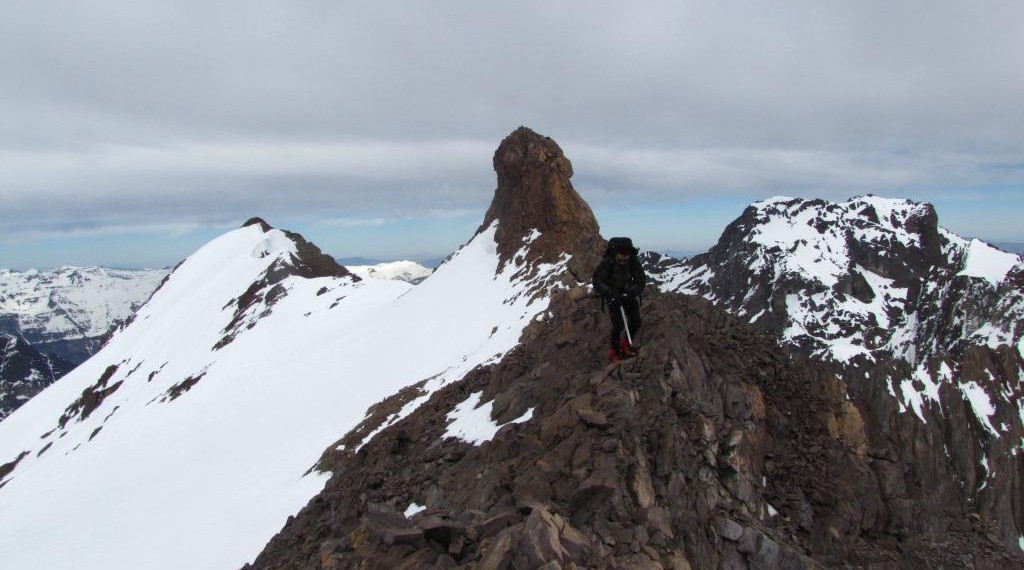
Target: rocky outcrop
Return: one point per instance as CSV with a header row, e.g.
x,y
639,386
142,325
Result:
x,y
534,194
714,448
90,399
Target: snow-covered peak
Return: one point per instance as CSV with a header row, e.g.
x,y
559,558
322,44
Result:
x,y
840,277
773,200
872,284
229,264
274,244
403,270
795,222
213,404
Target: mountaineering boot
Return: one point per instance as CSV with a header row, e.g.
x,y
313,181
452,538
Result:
x,y
613,355
625,349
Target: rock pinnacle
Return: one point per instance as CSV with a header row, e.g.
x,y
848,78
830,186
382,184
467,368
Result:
x,y
534,193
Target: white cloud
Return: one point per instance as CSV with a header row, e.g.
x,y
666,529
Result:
x,y
104,230
353,222
152,112
664,173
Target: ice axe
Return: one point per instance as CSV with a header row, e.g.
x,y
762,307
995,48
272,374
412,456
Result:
x,y
625,323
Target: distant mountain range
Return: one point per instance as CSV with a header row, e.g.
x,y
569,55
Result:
x,y
55,320
66,311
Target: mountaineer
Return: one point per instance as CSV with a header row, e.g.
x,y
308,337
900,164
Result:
x,y
619,280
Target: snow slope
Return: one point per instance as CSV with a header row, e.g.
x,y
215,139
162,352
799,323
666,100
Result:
x,y
986,262
195,456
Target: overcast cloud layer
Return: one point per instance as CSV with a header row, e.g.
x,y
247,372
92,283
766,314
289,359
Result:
x,y
139,117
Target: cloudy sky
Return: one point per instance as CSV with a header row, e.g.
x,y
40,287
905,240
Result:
x,y
133,131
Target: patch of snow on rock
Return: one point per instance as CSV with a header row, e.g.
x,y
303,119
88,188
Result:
x,y
413,510
981,404
471,421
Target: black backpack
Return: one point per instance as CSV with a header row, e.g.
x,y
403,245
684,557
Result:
x,y
617,244
621,244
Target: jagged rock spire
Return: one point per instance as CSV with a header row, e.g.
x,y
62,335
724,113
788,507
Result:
x,y
534,193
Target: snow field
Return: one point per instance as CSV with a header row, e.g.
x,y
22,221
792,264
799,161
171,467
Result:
x,y
988,263
221,467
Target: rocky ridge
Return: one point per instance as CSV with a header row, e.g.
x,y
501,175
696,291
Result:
x,y
715,447
503,443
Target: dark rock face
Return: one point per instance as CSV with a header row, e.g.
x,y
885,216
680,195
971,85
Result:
x,y
310,262
534,193
24,372
713,448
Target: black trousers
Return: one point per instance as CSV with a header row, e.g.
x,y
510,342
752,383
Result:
x,y
632,307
